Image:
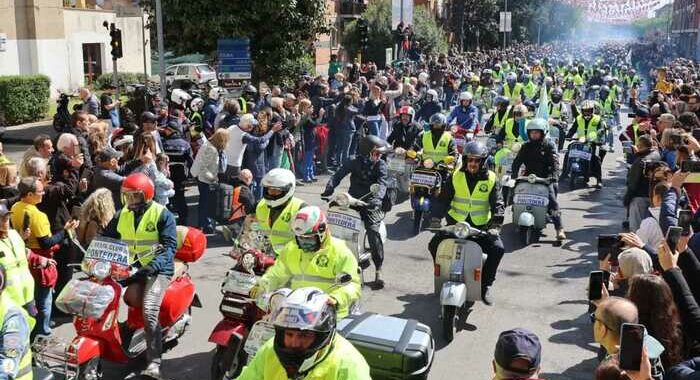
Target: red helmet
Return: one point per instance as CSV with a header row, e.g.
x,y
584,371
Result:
x,y
407,110
139,182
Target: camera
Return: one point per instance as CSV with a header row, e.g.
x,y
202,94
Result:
x,y
609,245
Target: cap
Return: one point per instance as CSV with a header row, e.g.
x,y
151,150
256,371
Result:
x,y
518,344
126,140
4,210
108,153
148,117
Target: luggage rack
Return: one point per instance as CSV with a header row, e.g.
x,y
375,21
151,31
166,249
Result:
x,y
57,356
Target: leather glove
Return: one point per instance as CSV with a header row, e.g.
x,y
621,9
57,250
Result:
x,y
140,275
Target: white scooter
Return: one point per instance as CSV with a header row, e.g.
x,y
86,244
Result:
x,y
347,225
399,176
530,203
458,263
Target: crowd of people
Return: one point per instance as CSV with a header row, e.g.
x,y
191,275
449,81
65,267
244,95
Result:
x,y
246,155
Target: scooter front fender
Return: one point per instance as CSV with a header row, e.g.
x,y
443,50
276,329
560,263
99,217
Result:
x,y
86,348
225,329
453,294
526,219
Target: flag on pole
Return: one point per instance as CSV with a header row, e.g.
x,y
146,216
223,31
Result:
x,y
543,107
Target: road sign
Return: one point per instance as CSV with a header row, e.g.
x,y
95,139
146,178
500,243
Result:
x,y
504,24
234,59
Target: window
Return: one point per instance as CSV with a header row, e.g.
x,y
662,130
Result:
x,y
204,69
92,62
183,70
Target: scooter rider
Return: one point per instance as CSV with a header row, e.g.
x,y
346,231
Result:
x,y
365,169
430,107
591,128
474,195
141,224
498,119
558,113
436,144
541,159
278,206
404,131
514,127
314,258
306,345
466,114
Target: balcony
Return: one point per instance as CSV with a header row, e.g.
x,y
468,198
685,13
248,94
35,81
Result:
x,y
350,8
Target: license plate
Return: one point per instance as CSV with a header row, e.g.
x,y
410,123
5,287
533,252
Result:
x,y
238,282
397,164
344,220
530,200
423,179
580,154
261,332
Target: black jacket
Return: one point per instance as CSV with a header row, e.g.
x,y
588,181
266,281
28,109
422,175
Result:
x,y
687,307
404,136
637,182
540,158
363,173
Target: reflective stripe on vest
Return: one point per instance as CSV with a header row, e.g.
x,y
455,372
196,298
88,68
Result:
x,y
25,364
141,239
635,130
568,94
590,132
514,96
438,153
530,90
555,112
499,122
280,232
475,206
19,283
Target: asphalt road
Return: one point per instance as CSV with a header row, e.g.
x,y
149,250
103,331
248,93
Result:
x,y
540,287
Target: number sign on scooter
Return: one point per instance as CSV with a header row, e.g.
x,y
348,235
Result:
x,y
530,200
423,179
109,250
344,220
582,154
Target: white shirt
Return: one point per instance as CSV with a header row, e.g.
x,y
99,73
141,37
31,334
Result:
x,y
649,230
235,148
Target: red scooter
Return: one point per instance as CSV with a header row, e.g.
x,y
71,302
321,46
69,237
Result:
x,y
94,300
240,312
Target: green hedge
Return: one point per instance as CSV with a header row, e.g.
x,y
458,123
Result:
x,y
104,80
24,98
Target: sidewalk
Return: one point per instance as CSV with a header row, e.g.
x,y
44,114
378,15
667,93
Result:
x,y
25,133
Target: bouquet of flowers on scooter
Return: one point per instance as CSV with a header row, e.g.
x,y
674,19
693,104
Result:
x,y
252,237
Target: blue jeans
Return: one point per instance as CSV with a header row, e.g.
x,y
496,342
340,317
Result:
x,y
114,117
373,127
308,171
206,195
343,146
43,297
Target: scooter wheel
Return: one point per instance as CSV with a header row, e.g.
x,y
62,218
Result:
x,y
417,222
527,235
92,370
226,359
448,322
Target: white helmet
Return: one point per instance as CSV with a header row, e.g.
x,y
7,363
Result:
x,y
215,93
423,77
466,95
196,104
180,96
278,186
433,93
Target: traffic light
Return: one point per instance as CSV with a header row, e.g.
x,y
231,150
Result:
x,y
363,29
116,42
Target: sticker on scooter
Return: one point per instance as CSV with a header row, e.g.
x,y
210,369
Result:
x,y
582,154
423,179
344,220
530,200
239,282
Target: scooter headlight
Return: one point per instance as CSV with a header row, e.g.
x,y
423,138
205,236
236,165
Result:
x,y
461,230
342,200
428,163
101,270
532,178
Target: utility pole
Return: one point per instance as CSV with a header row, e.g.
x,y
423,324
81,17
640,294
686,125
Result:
x,y
539,30
161,50
505,19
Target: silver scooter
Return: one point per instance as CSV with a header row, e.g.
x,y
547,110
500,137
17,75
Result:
x,y
458,263
349,227
530,204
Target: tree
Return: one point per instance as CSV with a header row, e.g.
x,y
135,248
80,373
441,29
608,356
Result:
x,y
426,31
281,33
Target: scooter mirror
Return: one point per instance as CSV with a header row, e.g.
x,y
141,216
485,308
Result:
x,y
374,189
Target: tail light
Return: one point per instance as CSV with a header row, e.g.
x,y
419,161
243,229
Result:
x,y
436,270
477,274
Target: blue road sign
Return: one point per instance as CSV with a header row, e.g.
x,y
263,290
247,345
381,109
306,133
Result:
x,y
234,58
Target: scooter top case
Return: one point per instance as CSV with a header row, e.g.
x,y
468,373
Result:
x,y
531,198
394,348
470,253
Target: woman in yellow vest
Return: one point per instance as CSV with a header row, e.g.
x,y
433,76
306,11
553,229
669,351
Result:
x,y
474,196
141,224
16,351
277,208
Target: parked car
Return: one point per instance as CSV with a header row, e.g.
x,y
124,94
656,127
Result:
x,y
200,74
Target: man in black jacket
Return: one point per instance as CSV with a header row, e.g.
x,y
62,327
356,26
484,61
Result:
x,y
541,159
405,131
365,170
180,153
637,195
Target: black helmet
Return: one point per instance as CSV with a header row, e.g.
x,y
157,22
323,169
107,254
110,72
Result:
x,y
250,89
370,143
557,95
148,117
474,149
604,92
438,119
